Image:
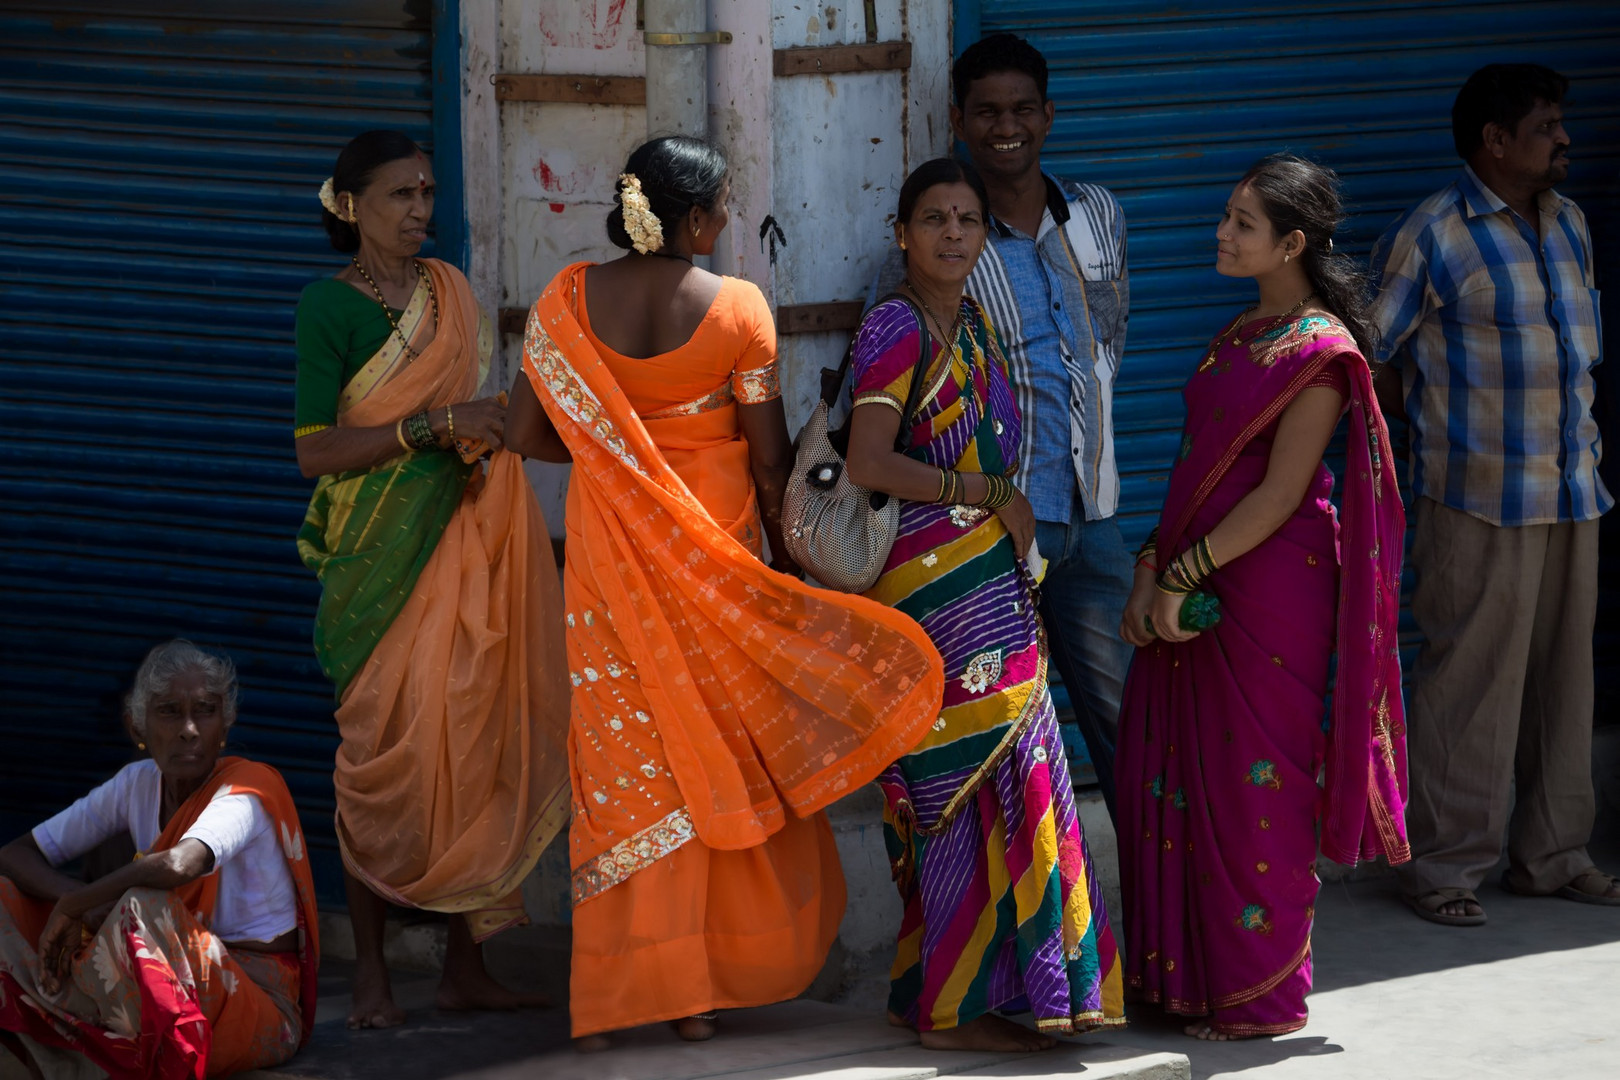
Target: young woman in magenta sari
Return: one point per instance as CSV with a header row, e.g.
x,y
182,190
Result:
x,y
440,615
1223,736
718,704
1002,910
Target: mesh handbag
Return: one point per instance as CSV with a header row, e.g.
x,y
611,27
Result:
x,y
837,530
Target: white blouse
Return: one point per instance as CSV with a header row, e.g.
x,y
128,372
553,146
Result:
x,y
257,898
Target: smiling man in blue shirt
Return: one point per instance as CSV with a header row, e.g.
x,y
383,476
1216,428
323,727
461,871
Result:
x,y
1052,279
1488,309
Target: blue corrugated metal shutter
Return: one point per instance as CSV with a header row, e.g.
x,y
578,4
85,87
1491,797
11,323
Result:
x,y
158,169
1167,104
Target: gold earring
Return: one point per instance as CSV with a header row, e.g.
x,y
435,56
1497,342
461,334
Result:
x,y
902,245
139,745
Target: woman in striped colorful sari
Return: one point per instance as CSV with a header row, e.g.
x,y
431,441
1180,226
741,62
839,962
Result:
x,y
1002,907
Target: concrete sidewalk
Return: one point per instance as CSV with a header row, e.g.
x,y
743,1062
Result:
x,y
1534,993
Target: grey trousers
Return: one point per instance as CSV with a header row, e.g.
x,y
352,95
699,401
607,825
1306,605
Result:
x,y
1501,695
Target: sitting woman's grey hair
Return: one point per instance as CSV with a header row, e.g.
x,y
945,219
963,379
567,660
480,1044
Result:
x,y
174,658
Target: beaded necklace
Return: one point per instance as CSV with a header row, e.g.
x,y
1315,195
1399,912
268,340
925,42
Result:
x,y
422,274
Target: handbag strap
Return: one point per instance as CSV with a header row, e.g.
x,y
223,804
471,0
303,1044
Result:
x,y
832,381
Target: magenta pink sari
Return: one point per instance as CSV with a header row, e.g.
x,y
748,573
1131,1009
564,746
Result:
x,y
1223,738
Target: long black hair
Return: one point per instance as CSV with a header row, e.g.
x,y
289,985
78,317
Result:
x,y
1300,194
356,165
677,172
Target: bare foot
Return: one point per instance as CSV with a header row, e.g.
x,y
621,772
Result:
x,y
988,1032
699,1028
593,1044
373,1000
470,991
896,1020
1469,908
467,985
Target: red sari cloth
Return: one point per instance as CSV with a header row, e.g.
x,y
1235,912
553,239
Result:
x,y
1228,766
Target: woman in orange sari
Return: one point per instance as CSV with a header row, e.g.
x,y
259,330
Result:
x,y
440,616
198,958
718,704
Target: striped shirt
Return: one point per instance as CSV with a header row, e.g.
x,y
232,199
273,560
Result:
x,y
1497,334
1059,303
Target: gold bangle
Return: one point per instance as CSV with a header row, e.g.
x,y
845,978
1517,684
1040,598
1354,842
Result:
x,y
450,422
399,433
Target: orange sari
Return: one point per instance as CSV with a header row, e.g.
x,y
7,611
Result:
x,y
155,994
451,779
718,706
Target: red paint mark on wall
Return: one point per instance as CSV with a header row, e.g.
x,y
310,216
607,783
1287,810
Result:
x,y
565,179
597,26
557,207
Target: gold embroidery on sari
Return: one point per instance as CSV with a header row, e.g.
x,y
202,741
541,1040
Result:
x,y
571,393
881,397
631,854
758,386
309,429
717,398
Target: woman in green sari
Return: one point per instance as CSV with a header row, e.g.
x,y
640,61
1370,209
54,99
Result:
x,y
440,620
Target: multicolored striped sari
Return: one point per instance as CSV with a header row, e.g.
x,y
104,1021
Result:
x,y
1002,905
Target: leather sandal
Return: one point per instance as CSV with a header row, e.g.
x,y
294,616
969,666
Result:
x,y
1591,886
1428,905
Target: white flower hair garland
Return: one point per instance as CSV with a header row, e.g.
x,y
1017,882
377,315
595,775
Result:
x,y
639,220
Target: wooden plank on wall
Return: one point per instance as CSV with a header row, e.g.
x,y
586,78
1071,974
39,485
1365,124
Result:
x,y
832,59
818,318
584,89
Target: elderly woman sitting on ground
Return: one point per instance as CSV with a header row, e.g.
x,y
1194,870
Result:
x,y
199,957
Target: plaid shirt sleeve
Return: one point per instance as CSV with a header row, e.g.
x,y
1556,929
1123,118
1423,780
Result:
x,y
1401,275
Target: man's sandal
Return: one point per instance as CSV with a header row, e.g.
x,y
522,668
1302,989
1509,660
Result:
x,y
1429,904
1590,886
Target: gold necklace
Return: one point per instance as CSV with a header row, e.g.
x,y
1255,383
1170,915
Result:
x,y
388,313
1285,316
946,340
1236,328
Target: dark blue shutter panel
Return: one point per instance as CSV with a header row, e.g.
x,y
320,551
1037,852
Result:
x,y
158,170
1167,104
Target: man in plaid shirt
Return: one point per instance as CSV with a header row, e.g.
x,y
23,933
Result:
x,y
1488,307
